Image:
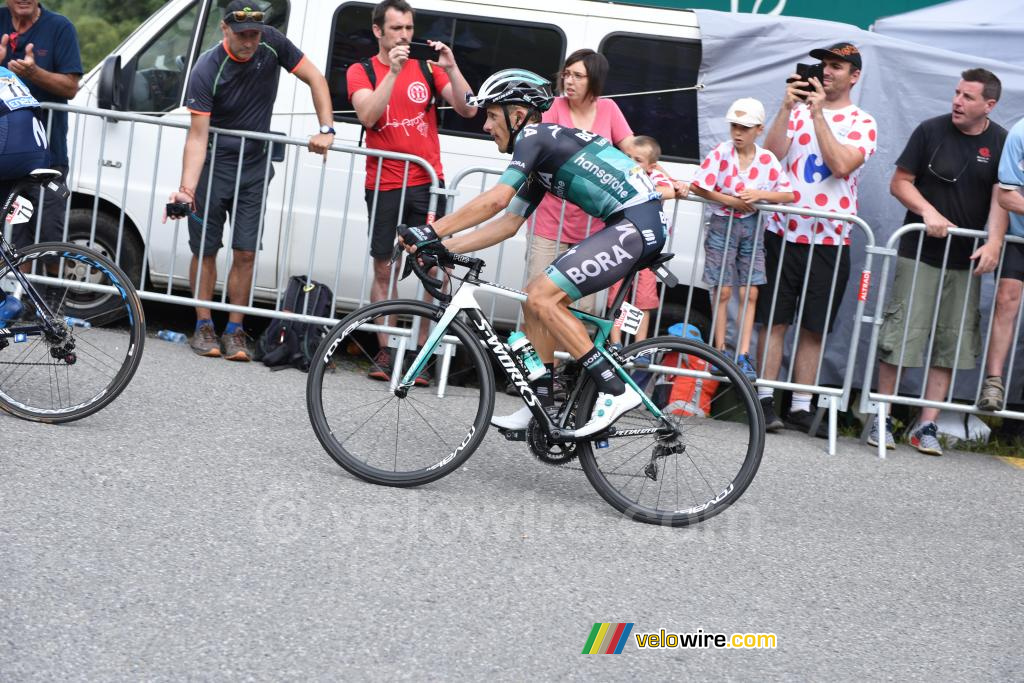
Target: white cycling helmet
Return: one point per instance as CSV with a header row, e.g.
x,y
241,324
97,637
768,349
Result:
x,y
514,86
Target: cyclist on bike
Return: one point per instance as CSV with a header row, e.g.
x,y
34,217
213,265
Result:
x,y
22,150
586,170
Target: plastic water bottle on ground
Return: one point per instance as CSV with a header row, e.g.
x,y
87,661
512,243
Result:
x,y
77,322
172,336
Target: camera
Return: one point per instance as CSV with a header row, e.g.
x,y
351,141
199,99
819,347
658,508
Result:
x,y
806,72
421,51
178,209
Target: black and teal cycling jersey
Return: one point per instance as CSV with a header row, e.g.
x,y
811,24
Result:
x,y
588,171
580,167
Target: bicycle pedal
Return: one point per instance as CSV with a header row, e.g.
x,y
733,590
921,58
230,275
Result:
x,y
513,434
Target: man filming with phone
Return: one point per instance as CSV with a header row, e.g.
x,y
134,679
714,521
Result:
x,y
823,139
394,95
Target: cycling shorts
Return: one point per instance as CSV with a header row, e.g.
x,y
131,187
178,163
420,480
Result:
x,y
634,235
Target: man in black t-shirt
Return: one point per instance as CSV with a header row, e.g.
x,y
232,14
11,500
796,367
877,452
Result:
x,y
946,176
234,86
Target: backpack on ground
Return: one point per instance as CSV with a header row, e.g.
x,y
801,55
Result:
x,y
291,343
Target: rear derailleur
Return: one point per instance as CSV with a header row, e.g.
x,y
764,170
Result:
x,y
662,450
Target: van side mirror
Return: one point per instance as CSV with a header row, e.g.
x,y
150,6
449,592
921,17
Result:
x,y
110,93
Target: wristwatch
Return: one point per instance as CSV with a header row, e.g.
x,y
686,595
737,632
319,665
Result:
x,y
326,129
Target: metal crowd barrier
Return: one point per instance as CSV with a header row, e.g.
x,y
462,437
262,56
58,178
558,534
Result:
x,y
334,239
335,242
874,402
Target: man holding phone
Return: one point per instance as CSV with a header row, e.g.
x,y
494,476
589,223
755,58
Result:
x,y
823,139
396,108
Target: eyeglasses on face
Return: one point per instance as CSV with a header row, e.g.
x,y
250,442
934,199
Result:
x,y
245,15
574,75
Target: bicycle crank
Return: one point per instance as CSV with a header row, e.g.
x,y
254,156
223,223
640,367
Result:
x,y
546,450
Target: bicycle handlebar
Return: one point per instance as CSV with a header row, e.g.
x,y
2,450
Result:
x,y
435,255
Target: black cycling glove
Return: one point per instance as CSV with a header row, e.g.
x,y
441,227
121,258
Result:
x,y
417,235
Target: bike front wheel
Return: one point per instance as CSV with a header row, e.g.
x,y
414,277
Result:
x,y
405,438
81,362
717,450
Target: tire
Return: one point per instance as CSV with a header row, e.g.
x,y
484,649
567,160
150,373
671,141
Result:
x,y
722,451
104,309
386,439
36,385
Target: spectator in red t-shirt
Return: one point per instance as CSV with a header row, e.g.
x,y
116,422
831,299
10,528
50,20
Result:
x,y
399,117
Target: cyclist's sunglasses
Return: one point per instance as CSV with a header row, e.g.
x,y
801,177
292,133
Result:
x,y
238,16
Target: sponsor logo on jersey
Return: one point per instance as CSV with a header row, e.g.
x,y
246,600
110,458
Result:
x,y
601,263
418,92
608,179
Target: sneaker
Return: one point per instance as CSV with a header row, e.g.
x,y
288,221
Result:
x,y
992,394
747,367
205,342
235,347
607,409
381,366
423,379
516,421
890,442
772,422
801,420
926,439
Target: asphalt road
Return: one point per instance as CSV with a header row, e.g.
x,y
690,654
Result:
x,y
196,529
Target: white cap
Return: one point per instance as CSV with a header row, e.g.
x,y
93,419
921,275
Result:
x,y
746,111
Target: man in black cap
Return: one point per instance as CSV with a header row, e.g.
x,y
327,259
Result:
x,y
233,86
822,140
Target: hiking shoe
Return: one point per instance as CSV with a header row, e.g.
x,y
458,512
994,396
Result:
x,y
235,347
890,442
607,409
381,366
747,367
516,421
204,341
992,394
801,420
772,422
926,439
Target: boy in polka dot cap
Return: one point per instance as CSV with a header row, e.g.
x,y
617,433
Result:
x,y
734,175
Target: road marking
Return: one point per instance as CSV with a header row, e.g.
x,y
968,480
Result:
x,y
1016,462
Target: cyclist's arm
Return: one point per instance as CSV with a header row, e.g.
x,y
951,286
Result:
x,y
476,211
498,230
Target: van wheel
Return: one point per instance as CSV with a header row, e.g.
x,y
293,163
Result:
x,y
95,307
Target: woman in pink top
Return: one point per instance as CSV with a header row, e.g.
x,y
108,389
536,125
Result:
x,y
579,106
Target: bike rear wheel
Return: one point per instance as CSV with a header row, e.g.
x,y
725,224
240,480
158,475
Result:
x,y
399,440
721,448
76,372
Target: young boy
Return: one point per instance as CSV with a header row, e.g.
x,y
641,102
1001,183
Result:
x,y
646,151
734,175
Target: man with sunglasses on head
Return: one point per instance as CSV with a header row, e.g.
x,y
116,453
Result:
x,y
40,47
233,86
946,176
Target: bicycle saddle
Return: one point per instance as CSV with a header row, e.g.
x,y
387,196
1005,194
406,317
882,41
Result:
x,y
41,175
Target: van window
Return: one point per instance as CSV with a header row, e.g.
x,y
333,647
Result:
x,y
481,46
158,72
640,63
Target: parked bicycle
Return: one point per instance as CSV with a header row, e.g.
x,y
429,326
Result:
x,y
659,463
71,324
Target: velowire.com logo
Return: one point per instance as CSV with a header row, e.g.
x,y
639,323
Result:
x,y
607,638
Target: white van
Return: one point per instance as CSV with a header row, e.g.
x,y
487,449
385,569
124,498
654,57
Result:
x,y
114,162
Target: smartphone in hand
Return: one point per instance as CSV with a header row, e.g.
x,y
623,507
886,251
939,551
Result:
x,y
806,72
421,51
